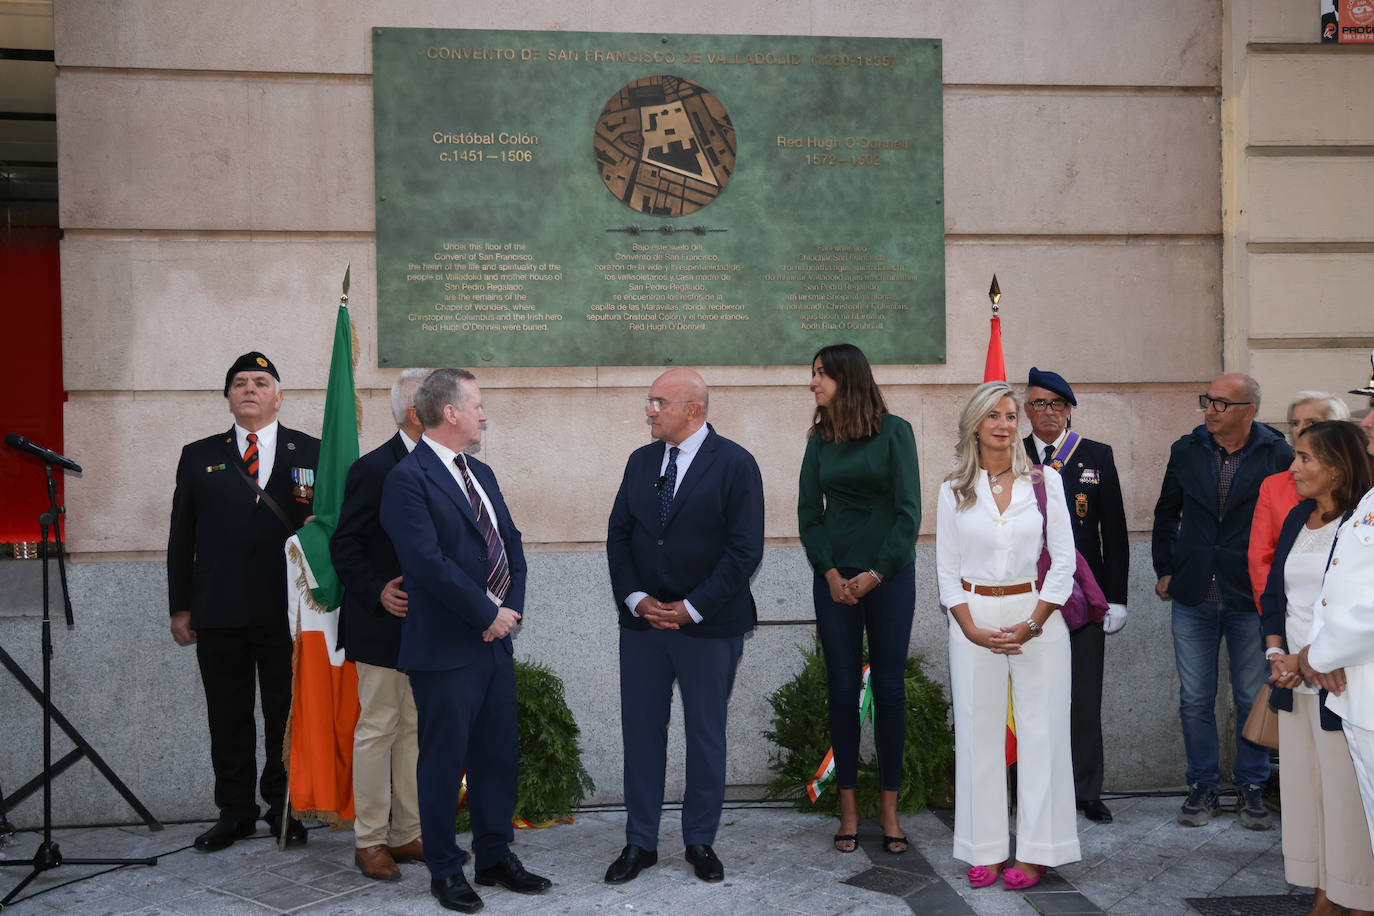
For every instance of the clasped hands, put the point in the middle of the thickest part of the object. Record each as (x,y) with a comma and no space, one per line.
(849,591)
(506,621)
(1004,641)
(1292,670)
(663,615)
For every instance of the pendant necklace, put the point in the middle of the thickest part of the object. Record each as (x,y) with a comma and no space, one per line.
(992,479)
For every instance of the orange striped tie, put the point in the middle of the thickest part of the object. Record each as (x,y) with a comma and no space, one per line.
(250,455)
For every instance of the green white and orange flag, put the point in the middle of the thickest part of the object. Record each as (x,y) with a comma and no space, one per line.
(324,696)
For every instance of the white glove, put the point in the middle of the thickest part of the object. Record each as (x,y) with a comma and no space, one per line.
(1115,618)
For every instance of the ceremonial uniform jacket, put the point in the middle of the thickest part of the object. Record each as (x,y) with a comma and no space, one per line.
(225,559)
(1092,490)
(1343,628)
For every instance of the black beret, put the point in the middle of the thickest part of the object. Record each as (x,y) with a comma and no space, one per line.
(249,362)
(1052,381)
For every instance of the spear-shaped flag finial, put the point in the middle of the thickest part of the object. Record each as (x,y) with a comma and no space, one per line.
(994,293)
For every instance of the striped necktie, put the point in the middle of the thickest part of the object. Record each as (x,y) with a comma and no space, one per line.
(498,570)
(250,455)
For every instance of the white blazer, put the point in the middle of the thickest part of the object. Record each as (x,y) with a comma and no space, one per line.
(1343,622)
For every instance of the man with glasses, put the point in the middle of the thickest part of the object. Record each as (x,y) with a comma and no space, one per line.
(685,535)
(1093,492)
(1201,531)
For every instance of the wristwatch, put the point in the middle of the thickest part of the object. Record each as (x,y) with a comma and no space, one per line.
(1035,628)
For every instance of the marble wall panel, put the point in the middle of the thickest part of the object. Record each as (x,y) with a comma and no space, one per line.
(1310,199)
(1310,295)
(1060,163)
(283,154)
(1292,102)
(1116,42)
(1285,372)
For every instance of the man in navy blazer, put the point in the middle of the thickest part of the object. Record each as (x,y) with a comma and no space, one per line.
(464,574)
(374,606)
(685,536)
(1201,531)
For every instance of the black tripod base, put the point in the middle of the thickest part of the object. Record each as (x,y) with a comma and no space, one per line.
(49,856)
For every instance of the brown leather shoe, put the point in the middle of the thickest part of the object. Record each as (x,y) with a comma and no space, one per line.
(414,851)
(376,862)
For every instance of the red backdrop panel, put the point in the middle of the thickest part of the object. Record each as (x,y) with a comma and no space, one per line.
(31,297)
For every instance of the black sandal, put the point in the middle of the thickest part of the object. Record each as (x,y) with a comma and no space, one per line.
(851,838)
(890,841)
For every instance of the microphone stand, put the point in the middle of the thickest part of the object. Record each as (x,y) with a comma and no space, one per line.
(48,855)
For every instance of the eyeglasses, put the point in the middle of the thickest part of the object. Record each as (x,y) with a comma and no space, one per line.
(1219,404)
(1058,405)
(657,404)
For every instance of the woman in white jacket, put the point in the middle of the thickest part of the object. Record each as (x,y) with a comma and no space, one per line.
(1340,656)
(988,539)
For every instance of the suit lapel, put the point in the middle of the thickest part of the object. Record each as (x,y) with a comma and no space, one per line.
(701,464)
(440,476)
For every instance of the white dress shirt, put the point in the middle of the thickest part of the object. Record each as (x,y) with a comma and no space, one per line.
(983,545)
(446,455)
(686,450)
(267,449)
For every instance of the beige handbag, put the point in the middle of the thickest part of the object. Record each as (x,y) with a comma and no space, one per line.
(1262,725)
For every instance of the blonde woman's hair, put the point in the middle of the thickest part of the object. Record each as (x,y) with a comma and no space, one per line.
(967,467)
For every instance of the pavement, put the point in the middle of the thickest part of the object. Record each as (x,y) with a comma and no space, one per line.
(777,861)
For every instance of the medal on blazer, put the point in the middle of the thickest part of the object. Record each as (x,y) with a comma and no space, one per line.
(1080,504)
(304,484)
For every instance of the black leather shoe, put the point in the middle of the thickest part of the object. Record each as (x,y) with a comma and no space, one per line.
(295,830)
(632,861)
(511,875)
(1095,811)
(454,893)
(224,832)
(705,863)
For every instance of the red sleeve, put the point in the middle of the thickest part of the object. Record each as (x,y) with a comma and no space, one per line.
(1277,497)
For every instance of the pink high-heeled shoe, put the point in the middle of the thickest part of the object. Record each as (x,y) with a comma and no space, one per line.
(981,876)
(1014,879)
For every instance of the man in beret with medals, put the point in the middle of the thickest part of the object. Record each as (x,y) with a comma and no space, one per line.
(1093,492)
(239,495)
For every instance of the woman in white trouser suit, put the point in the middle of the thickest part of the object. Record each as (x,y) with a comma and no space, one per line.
(988,539)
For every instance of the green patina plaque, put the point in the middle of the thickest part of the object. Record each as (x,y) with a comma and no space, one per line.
(589,199)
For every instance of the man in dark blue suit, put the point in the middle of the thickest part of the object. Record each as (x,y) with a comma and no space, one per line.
(685,535)
(374,605)
(464,574)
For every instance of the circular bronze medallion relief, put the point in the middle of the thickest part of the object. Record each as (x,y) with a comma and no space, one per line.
(665,146)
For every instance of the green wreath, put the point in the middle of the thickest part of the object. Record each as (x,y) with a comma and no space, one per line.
(552,781)
(801,732)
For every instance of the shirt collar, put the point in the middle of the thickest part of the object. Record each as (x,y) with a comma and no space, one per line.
(1040,446)
(267,437)
(446,454)
(688,447)
(409,442)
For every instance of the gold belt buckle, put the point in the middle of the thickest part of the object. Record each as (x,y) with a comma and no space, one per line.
(998,591)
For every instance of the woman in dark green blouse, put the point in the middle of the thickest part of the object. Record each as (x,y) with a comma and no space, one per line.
(859,508)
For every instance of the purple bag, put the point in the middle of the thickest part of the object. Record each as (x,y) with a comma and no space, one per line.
(1087,604)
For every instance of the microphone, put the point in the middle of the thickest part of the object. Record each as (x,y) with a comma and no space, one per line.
(658,484)
(16,441)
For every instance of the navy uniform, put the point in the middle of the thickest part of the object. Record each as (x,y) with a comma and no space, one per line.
(226,568)
(1092,490)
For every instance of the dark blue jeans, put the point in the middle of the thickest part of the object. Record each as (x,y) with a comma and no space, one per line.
(886,614)
(1198,630)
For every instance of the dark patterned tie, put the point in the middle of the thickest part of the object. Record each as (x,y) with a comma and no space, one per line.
(498,570)
(665,492)
(250,455)
(1049,453)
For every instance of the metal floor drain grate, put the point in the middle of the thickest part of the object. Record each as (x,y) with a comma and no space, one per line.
(1258,905)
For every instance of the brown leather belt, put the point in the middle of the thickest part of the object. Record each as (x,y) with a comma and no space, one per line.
(997,591)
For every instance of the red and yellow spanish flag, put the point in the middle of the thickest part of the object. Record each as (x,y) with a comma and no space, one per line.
(324,701)
(995,370)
